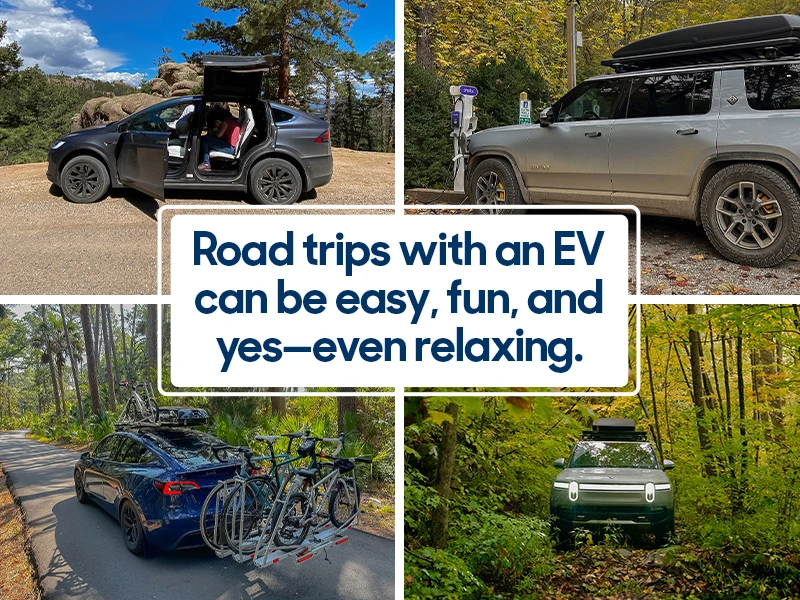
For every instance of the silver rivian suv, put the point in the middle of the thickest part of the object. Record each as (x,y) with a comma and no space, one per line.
(700,123)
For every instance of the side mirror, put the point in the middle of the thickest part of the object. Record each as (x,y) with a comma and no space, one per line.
(668,465)
(122,127)
(559,463)
(547,116)
(85,455)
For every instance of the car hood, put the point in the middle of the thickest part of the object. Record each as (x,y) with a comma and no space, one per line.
(88,131)
(610,476)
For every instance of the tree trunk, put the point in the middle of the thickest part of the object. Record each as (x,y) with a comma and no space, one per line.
(440,516)
(74,363)
(278,403)
(91,358)
(424,39)
(742,427)
(96,331)
(283,69)
(348,405)
(124,343)
(109,313)
(50,361)
(699,393)
(151,332)
(112,388)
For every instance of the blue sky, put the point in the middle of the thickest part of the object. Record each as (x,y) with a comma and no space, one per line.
(112,39)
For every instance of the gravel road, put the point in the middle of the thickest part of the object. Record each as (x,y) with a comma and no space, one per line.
(50,246)
(80,552)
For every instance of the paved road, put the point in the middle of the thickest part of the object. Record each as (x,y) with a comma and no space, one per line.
(80,553)
(50,246)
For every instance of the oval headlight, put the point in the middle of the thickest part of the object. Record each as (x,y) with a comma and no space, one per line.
(650,492)
(57,145)
(573,491)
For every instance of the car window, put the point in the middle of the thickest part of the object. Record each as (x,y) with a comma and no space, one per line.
(591,100)
(773,87)
(670,95)
(188,446)
(611,455)
(134,453)
(108,447)
(281,116)
(157,119)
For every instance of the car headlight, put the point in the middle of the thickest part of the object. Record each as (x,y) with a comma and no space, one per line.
(57,145)
(650,492)
(573,491)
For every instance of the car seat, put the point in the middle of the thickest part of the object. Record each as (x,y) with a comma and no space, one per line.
(247,124)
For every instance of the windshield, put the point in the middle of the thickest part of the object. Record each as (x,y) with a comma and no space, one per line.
(613,455)
(191,448)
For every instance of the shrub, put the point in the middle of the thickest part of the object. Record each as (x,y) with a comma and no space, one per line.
(432,573)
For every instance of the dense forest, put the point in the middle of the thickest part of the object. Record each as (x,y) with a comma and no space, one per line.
(720,396)
(61,365)
(505,48)
(319,71)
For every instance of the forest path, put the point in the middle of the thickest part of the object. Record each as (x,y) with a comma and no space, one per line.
(50,246)
(80,552)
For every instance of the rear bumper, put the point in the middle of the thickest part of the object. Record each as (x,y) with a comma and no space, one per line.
(319,170)
(172,534)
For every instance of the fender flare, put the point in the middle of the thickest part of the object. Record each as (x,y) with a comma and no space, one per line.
(482,155)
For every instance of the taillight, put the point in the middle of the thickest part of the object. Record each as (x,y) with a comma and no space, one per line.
(175,488)
(324,138)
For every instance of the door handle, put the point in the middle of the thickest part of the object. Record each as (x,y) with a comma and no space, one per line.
(593,134)
(690,131)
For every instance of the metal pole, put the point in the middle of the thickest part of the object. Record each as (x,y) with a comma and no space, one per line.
(572,43)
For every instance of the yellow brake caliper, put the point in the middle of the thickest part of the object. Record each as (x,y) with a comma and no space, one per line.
(768,208)
(501,195)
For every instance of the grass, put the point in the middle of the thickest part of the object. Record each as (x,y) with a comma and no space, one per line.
(377,509)
(17,575)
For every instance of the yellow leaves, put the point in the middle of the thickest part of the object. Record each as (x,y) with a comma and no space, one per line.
(439,417)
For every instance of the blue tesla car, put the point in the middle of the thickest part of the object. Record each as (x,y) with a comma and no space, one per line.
(154,481)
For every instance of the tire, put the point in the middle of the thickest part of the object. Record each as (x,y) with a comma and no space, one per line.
(493,183)
(751,214)
(563,535)
(288,532)
(275,182)
(238,524)
(343,503)
(152,407)
(132,530)
(131,414)
(84,180)
(210,522)
(664,533)
(80,488)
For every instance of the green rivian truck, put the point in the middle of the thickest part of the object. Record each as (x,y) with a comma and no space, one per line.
(613,478)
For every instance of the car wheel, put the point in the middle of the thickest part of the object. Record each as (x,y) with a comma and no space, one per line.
(493,184)
(80,489)
(132,530)
(84,179)
(275,181)
(751,214)
(664,533)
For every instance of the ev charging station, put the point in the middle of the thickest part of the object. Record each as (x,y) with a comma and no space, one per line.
(463,124)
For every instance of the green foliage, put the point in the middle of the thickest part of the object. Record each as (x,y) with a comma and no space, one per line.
(431,573)
(428,147)
(499,85)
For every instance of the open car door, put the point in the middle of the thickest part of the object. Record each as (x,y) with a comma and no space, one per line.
(142,161)
(234,78)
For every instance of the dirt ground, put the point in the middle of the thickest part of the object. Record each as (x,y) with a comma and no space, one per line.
(50,246)
(17,576)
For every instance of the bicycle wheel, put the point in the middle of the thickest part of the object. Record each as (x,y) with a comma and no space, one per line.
(152,409)
(211,524)
(130,412)
(291,531)
(344,502)
(245,507)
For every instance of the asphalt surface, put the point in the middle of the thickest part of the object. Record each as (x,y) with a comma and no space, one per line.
(50,246)
(80,552)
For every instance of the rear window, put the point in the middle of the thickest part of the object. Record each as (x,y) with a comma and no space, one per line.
(281,116)
(613,455)
(773,87)
(671,95)
(134,453)
(192,448)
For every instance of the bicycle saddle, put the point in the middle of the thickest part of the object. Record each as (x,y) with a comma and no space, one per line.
(308,473)
(270,439)
(295,435)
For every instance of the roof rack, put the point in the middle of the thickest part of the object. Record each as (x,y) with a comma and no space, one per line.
(169,416)
(755,38)
(614,430)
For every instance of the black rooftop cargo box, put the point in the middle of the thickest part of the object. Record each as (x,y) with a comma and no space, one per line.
(614,430)
(769,37)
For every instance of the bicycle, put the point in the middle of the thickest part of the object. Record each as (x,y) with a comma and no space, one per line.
(139,408)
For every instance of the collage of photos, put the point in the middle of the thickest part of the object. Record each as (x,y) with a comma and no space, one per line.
(127,473)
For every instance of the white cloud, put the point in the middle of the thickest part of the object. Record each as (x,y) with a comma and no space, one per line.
(83,5)
(55,39)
